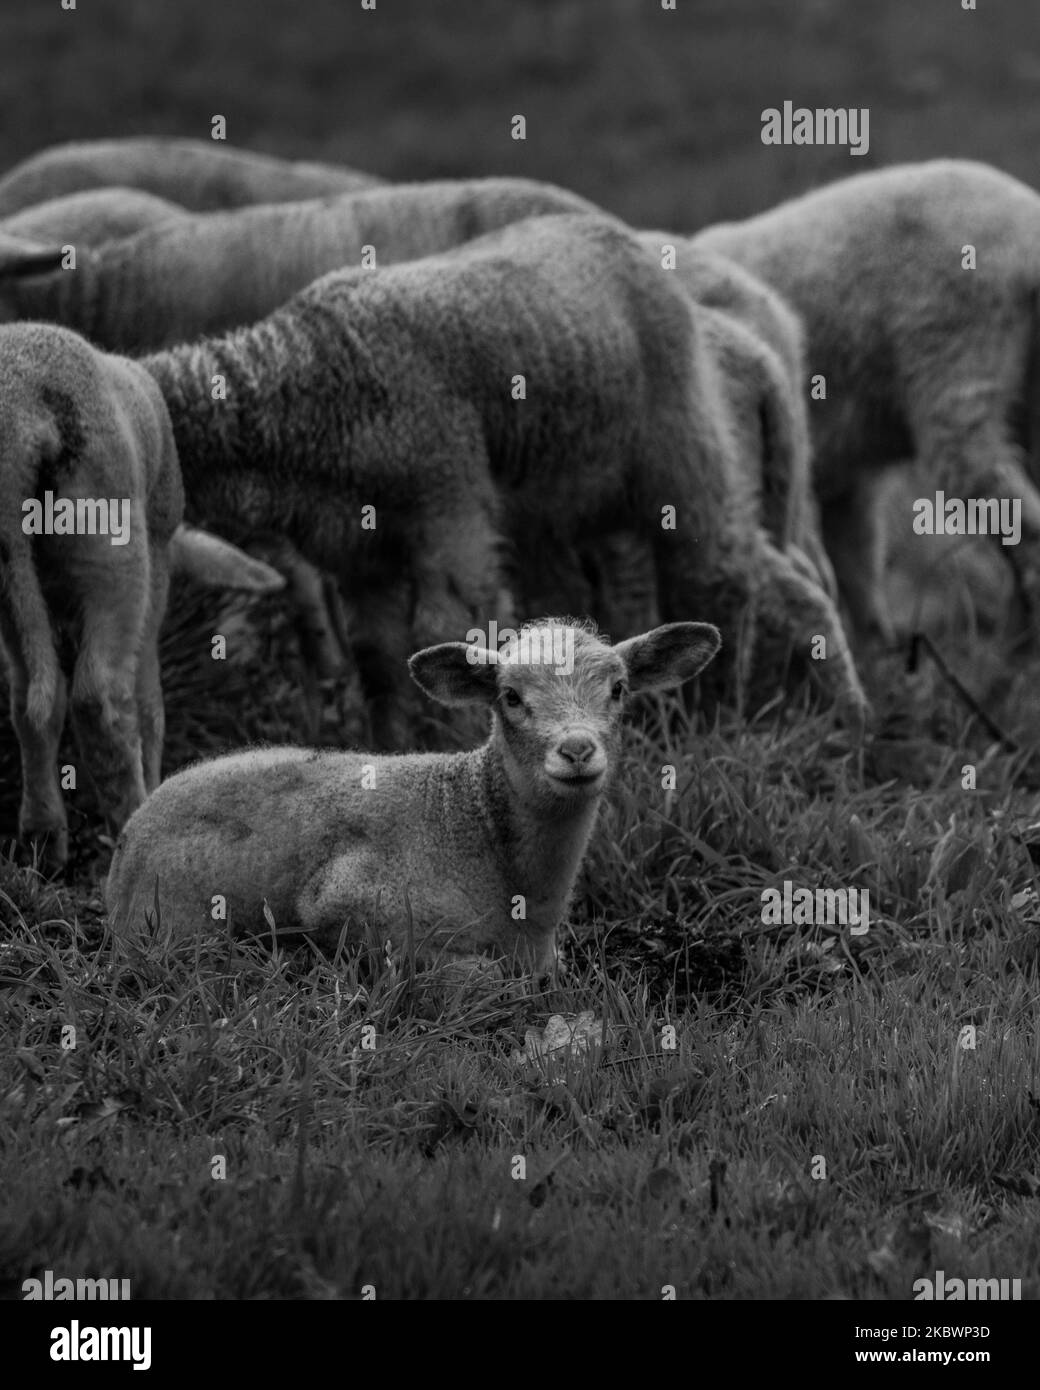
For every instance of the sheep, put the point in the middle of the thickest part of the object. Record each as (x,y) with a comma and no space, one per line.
(220,270)
(754,342)
(223,270)
(921,356)
(91,218)
(462,854)
(201,175)
(383,423)
(759,342)
(86,433)
(716,283)
(391,390)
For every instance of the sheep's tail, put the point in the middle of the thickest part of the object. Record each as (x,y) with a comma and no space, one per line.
(27,619)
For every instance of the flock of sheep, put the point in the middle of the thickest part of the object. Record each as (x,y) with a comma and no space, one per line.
(449,404)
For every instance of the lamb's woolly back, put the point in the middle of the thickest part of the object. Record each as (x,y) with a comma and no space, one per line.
(221,270)
(92,217)
(199,174)
(467,852)
(368,384)
(912,200)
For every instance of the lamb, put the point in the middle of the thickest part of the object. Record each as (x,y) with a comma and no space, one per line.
(461,853)
(86,433)
(90,218)
(201,175)
(223,270)
(921,356)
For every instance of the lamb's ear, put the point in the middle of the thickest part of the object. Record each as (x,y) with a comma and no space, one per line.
(668,655)
(219,564)
(456,673)
(21,257)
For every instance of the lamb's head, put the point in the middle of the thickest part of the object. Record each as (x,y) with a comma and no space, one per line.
(557,692)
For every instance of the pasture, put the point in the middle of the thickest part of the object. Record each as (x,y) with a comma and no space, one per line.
(772,1111)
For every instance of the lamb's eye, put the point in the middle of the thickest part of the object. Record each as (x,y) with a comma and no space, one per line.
(618,690)
(511,698)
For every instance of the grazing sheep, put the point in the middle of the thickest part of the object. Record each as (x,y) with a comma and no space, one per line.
(391,390)
(754,345)
(201,175)
(396,391)
(759,343)
(219,271)
(922,356)
(85,441)
(89,219)
(790,513)
(462,853)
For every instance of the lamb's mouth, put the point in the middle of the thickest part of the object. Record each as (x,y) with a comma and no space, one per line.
(576,779)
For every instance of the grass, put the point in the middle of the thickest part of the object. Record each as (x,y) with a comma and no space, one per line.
(393,1166)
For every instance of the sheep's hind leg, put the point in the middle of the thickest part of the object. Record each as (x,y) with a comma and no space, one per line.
(151,714)
(105,682)
(382,642)
(41,817)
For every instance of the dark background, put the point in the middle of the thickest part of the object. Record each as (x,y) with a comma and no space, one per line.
(655,114)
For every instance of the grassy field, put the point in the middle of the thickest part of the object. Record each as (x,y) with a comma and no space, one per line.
(395,1165)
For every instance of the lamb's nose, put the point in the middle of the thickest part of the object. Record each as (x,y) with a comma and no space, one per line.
(577,748)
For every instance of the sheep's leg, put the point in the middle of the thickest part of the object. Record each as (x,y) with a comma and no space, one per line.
(41,817)
(319,642)
(382,642)
(336,616)
(795,606)
(151,714)
(625,588)
(855,542)
(457,578)
(104,683)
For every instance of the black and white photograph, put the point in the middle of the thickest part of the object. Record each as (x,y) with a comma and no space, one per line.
(519,647)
